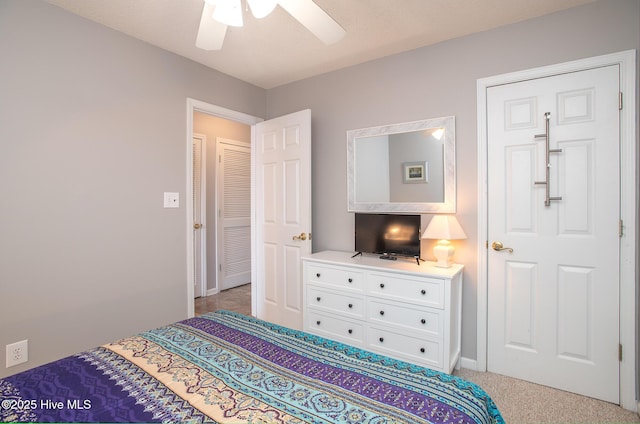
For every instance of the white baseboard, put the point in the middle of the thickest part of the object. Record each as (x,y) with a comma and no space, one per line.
(470,364)
(211,292)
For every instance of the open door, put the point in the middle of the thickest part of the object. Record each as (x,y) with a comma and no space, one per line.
(281,182)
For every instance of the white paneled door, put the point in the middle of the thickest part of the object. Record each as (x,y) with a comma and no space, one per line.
(553,226)
(282,201)
(233,192)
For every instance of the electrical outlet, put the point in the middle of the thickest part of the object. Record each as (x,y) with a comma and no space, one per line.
(17,353)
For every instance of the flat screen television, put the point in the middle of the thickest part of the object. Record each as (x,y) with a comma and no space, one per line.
(388,235)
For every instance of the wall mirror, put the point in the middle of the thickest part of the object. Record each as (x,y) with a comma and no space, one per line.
(407,167)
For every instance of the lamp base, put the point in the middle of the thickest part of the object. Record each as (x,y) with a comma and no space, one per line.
(444,251)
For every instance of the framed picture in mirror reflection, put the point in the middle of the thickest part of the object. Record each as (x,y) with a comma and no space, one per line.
(415,172)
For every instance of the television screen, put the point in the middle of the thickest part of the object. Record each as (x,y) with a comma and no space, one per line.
(388,234)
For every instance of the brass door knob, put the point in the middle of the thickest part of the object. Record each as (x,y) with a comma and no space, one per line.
(498,247)
(197,226)
(302,236)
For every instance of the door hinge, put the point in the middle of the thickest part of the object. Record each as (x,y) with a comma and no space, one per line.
(486,244)
(620,100)
(620,352)
(620,229)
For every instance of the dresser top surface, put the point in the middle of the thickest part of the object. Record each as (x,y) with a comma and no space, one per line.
(407,265)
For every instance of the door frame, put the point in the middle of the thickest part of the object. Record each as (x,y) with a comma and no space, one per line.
(628,195)
(194,105)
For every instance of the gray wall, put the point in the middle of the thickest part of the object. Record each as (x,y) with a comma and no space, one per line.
(92,132)
(438,81)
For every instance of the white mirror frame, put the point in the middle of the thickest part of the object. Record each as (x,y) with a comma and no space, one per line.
(448,205)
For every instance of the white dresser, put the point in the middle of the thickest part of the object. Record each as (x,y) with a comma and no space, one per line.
(396,308)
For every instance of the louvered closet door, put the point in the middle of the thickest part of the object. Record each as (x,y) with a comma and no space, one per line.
(234,213)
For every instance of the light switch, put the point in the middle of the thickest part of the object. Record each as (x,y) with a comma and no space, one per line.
(171,200)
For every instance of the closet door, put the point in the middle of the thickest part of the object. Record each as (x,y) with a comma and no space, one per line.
(233,192)
(554,214)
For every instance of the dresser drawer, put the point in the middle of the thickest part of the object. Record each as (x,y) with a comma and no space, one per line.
(428,320)
(335,276)
(335,328)
(335,301)
(427,291)
(402,309)
(424,351)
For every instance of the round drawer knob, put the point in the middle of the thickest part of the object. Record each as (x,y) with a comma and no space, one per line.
(350,331)
(381,285)
(424,321)
(350,305)
(350,280)
(423,292)
(422,350)
(381,339)
(381,312)
(318,298)
(317,274)
(317,322)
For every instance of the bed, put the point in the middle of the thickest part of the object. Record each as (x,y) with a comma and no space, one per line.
(227,367)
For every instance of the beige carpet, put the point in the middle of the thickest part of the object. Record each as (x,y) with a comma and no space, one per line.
(521,402)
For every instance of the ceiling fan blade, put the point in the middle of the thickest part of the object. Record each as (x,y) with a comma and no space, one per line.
(314,19)
(211,33)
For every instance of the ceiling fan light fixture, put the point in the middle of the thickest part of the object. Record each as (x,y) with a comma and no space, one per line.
(228,12)
(261,8)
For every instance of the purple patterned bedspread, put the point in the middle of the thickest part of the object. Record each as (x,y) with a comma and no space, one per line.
(229,368)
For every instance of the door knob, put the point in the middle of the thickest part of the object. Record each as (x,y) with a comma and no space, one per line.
(302,236)
(197,226)
(497,246)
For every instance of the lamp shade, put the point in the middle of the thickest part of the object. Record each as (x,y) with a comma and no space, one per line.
(444,227)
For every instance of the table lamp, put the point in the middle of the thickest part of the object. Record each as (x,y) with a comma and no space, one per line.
(444,228)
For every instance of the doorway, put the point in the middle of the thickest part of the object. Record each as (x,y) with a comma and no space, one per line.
(625,62)
(276,289)
(225,196)
(236,122)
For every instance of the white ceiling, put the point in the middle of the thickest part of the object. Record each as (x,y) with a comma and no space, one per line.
(277,49)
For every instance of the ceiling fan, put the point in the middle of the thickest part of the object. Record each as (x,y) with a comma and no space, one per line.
(218,14)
